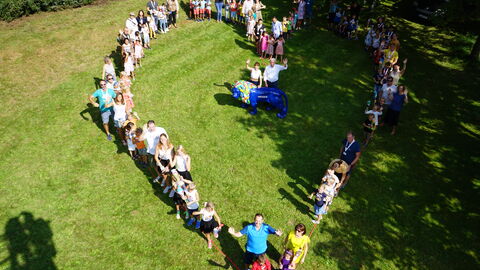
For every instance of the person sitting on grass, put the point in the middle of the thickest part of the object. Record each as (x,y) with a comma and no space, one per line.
(210,222)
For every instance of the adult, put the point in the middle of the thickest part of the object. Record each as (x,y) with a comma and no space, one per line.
(219,6)
(394,40)
(152,7)
(397,101)
(396,73)
(355,9)
(390,54)
(172,7)
(132,24)
(297,242)
(387,89)
(151,134)
(270,75)
(141,19)
(258,31)
(340,169)
(331,13)
(104,97)
(257,234)
(255,73)
(108,68)
(258,9)
(247,7)
(350,153)
(123,35)
(301,13)
(276,28)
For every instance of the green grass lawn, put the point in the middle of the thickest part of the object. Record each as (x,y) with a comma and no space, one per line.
(412,202)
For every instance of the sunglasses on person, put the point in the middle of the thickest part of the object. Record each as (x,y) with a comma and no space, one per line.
(103,84)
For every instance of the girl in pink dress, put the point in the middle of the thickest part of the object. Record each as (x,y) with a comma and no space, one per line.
(128,97)
(250,29)
(279,49)
(264,43)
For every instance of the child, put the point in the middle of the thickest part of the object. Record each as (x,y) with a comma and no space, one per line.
(138,53)
(196,9)
(128,96)
(182,163)
(179,185)
(377,111)
(192,198)
(128,66)
(146,36)
(285,260)
(233,11)
(162,18)
(126,48)
(369,39)
(124,80)
(129,134)
(368,129)
(264,41)
(279,48)
(191,7)
(285,24)
(378,82)
(108,68)
(262,263)
(352,28)
(323,197)
(250,28)
(152,27)
(271,44)
(210,222)
(202,9)
(227,10)
(140,146)
(208,9)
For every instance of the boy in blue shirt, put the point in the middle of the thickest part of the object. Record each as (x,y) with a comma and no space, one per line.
(257,234)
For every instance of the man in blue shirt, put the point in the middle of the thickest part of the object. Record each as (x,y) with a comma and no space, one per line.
(105,97)
(350,153)
(257,234)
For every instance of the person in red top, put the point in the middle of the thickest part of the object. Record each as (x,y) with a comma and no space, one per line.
(262,263)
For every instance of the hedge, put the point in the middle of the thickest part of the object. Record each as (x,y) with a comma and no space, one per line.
(12,9)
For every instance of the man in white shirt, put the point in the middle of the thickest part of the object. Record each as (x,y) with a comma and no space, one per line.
(151,134)
(247,6)
(388,90)
(270,75)
(276,28)
(132,24)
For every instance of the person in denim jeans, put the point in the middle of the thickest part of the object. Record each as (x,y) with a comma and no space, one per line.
(219,5)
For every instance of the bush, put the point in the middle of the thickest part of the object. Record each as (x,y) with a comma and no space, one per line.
(12,9)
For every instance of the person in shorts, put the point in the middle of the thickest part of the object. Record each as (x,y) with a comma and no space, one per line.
(104,97)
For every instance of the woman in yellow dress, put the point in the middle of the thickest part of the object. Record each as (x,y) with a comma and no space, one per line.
(298,242)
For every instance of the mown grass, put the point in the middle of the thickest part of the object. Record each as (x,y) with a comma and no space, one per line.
(412,203)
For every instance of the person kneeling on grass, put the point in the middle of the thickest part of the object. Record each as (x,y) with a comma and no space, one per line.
(323,198)
(210,222)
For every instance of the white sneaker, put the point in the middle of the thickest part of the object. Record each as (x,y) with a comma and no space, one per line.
(156,179)
(171,193)
(163,183)
(166,190)
(178,216)
(315,221)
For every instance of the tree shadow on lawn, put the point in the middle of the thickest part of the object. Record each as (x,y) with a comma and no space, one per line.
(29,243)
(412,200)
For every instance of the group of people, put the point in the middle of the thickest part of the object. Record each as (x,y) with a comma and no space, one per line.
(344,21)
(170,165)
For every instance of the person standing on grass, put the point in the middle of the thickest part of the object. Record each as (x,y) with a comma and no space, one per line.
(182,163)
(164,153)
(257,234)
(297,242)
(104,97)
(132,24)
(152,7)
(172,7)
(397,73)
(350,153)
(108,69)
(270,75)
(340,169)
(210,222)
(396,105)
(258,9)
(219,6)
(151,134)
(255,73)
(276,28)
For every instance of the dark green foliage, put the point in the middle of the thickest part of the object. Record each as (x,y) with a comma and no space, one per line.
(12,9)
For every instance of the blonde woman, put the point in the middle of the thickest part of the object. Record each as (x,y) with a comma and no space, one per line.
(182,162)
(164,153)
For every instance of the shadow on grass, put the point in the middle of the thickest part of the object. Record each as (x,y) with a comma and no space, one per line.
(29,243)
